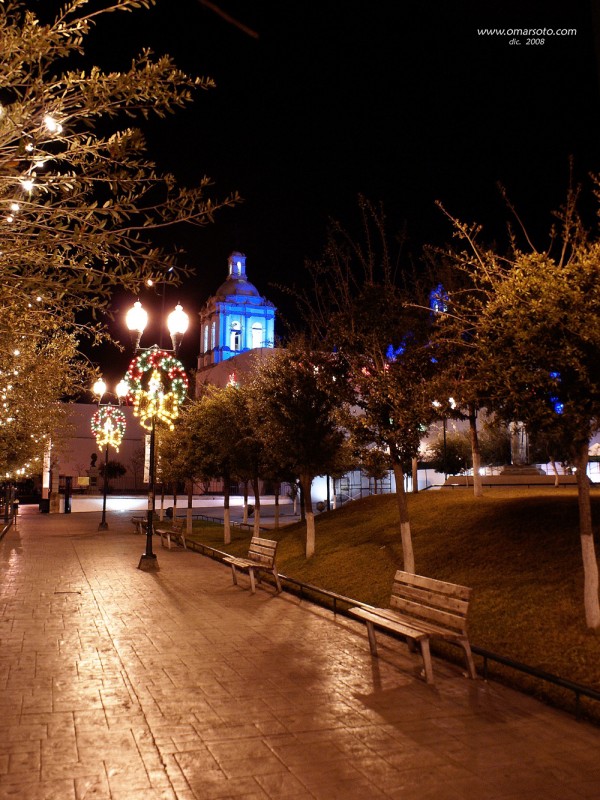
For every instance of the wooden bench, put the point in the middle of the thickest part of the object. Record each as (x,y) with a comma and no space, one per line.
(261,558)
(422,609)
(175,533)
(140,524)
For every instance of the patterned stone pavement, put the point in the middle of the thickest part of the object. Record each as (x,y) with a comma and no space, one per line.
(123,684)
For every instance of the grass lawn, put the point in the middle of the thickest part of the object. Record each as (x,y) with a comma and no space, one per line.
(519,550)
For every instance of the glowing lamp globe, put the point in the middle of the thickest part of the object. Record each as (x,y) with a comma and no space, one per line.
(136,320)
(122,388)
(99,388)
(177,323)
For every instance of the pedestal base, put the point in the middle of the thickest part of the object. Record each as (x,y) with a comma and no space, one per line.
(103,526)
(148,563)
(521,469)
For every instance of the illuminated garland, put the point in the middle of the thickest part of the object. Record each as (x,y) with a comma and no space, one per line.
(158,385)
(108,426)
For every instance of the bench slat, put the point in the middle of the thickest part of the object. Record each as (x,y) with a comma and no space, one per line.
(268,552)
(385,615)
(264,542)
(427,613)
(434,599)
(392,624)
(261,548)
(259,559)
(263,557)
(443,587)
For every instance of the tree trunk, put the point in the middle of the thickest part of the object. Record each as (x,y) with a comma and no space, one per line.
(190,507)
(555,470)
(590,563)
(174,502)
(245,517)
(277,491)
(475,453)
(161,514)
(414,464)
(305,487)
(256,487)
(226,510)
(302,506)
(405,535)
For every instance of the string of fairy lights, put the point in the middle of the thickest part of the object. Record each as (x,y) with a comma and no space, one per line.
(10,412)
(156,380)
(31,157)
(30,149)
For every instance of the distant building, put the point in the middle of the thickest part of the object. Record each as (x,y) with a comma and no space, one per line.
(234,321)
(75,454)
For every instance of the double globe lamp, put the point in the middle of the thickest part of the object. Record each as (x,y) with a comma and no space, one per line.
(136,320)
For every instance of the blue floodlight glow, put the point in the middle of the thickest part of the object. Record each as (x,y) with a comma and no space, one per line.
(392,352)
(555,376)
(438,299)
(557,405)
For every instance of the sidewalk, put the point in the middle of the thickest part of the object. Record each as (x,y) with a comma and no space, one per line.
(124,684)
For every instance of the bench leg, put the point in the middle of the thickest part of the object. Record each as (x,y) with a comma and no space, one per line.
(371,634)
(252,583)
(426,653)
(233,575)
(469,659)
(277,581)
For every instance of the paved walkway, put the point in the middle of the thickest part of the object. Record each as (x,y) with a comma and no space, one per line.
(124,684)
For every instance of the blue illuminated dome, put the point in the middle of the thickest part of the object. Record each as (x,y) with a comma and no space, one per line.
(235,319)
(237,283)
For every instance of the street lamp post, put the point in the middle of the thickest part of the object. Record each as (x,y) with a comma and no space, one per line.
(157,382)
(108,426)
(103,523)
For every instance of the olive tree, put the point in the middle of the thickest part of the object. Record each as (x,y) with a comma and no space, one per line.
(372,313)
(536,343)
(80,197)
(296,405)
(79,193)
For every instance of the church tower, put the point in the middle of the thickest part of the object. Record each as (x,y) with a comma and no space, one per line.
(236,319)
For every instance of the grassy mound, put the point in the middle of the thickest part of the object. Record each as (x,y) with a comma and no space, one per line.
(519,550)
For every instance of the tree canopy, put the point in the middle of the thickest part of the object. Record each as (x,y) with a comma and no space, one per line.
(296,406)
(80,197)
(534,342)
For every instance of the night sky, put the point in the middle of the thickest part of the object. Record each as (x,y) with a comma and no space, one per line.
(402,102)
